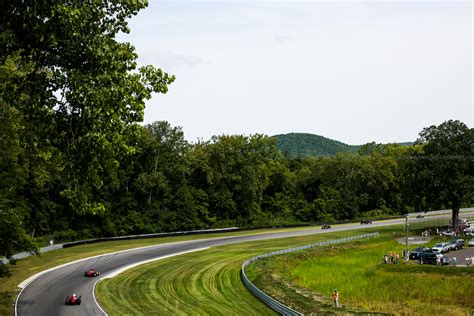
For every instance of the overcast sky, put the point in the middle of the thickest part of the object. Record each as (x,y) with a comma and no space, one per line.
(352,71)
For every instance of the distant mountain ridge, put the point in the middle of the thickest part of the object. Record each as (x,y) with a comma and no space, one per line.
(309,145)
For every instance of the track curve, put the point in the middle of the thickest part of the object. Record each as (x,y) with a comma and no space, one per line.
(46,294)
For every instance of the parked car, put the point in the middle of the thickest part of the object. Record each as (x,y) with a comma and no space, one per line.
(415,253)
(440,247)
(470,243)
(469,231)
(427,258)
(420,216)
(448,233)
(365,221)
(326,227)
(445,260)
(456,244)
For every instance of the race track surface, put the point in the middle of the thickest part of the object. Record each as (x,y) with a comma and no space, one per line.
(46,295)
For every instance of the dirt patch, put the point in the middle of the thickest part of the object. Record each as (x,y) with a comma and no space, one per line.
(415,240)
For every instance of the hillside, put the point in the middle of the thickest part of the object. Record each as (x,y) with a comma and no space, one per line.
(303,145)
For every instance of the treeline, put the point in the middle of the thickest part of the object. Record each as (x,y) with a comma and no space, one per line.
(75,163)
(167,184)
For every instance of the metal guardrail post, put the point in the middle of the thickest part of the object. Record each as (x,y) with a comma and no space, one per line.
(270,301)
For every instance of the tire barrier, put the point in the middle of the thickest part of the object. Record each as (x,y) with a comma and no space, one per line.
(268,300)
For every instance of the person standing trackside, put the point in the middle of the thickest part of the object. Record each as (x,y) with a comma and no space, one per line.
(335,297)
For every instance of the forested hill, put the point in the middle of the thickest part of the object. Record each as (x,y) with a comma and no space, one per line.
(304,145)
(298,145)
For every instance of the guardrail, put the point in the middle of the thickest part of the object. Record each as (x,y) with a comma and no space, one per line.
(270,301)
(22,255)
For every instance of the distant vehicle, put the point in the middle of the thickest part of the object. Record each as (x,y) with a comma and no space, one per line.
(470,243)
(448,233)
(420,216)
(365,221)
(326,227)
(415,253)
(427,258)
(91,273)
(73,300)
(440,247)
(456,244)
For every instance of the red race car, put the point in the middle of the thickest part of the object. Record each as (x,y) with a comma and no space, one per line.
(91,273)
(73,300)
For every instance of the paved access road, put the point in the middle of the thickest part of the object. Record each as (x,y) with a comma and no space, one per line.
(46,294)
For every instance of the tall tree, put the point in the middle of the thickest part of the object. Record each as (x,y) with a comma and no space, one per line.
(446,165)
(82,88)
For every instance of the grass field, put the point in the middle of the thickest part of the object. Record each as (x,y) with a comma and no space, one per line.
(202,283)
(190,286)
(306,280)
(31,265)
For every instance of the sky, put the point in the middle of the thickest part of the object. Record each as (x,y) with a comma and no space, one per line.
(352,71)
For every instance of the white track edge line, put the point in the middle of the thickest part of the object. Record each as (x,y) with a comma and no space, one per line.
(95,300)
(30,279)
(37,275)
(133,265)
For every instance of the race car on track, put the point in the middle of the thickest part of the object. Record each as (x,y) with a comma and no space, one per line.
(73,300)
(91,273)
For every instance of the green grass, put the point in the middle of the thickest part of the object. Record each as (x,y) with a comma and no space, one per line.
(203,283)
(306,279)
(31,265)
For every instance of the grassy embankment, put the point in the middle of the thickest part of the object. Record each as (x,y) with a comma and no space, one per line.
(206,282)
(188,285)
(31,265)
(306,279)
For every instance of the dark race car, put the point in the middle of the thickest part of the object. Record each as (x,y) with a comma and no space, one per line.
(325,226)
(365,221)
(91,273)
(73,300)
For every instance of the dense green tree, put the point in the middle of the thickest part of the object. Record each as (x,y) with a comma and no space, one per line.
(82,88)
(444,166)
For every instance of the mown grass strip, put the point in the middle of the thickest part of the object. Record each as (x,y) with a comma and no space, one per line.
(204,283)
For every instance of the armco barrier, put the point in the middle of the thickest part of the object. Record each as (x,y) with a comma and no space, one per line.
(268,300)
(180,233)
(22,255)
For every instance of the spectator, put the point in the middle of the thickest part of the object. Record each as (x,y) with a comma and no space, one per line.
(335,297)
(438,261)
(391,257)
(385,258)
(454,261)
(397,258)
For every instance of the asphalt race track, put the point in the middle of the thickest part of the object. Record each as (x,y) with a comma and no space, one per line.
(46,294)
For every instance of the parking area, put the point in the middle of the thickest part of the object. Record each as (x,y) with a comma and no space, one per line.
(461,255)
